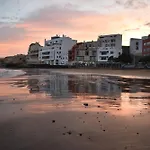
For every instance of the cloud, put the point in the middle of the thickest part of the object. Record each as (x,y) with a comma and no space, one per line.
(133,4)
(147,24)
(67,19)
(8,33)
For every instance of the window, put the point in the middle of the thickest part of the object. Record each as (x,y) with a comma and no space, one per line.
(59,47)
(45,53)
(104,53)
(103,58)
(111,52)
(87,53)
(137,48)
(137,43)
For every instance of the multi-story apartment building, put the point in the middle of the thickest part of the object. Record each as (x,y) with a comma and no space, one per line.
(86,52)
(136,47)
(146,46)
(33,53)
(55,51)
(110,47)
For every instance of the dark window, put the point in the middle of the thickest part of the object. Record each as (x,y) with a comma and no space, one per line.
(104,53)
(45,57)
(137,47)
(111,52)
(46,53)
(103,58)
(59,47)
(137,43)
(86,53)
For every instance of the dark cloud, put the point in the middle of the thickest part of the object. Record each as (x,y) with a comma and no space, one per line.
(147,24)
(56,16)
(133,4)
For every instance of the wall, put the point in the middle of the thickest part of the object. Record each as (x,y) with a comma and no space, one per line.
(136,47)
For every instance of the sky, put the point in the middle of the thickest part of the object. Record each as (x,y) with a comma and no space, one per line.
(25,21)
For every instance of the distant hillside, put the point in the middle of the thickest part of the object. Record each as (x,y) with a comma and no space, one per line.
(13,61)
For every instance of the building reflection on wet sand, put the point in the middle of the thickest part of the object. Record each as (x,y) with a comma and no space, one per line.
(58,85)
(128,95)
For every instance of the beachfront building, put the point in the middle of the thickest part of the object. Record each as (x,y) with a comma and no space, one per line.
(110,47)
(33,53)
(136,47)
(72,53)
(86,52)
(55,50)
(146,46)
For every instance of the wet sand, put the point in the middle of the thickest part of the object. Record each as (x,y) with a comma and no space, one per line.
(43,110)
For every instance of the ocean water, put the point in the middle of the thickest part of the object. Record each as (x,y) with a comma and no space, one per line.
(8,73)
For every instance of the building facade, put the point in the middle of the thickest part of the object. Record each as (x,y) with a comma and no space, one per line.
(136,47)
(72,53)
(110,47)
(86,52)
(55,50)
(33,53)
(146,46)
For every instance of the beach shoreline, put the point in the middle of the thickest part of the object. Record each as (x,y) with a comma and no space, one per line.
(75,109)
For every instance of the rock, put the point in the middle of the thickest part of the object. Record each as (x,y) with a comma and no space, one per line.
(85,113)
(53,121)
(98,106)
(104,130)
(137,133)
(97,112)
(20,108)
(65,127)
(86,104)
(80,134)
(69,132)
(64,133)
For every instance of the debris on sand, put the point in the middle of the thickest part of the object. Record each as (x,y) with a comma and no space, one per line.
(86,104)
(69,132)
(53,121)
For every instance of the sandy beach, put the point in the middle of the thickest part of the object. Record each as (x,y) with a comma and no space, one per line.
(75,109)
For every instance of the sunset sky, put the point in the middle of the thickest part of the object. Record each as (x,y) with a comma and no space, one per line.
(25,21)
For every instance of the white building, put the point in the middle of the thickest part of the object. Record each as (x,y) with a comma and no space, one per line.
(55,51)
(110,47)
(136,47)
